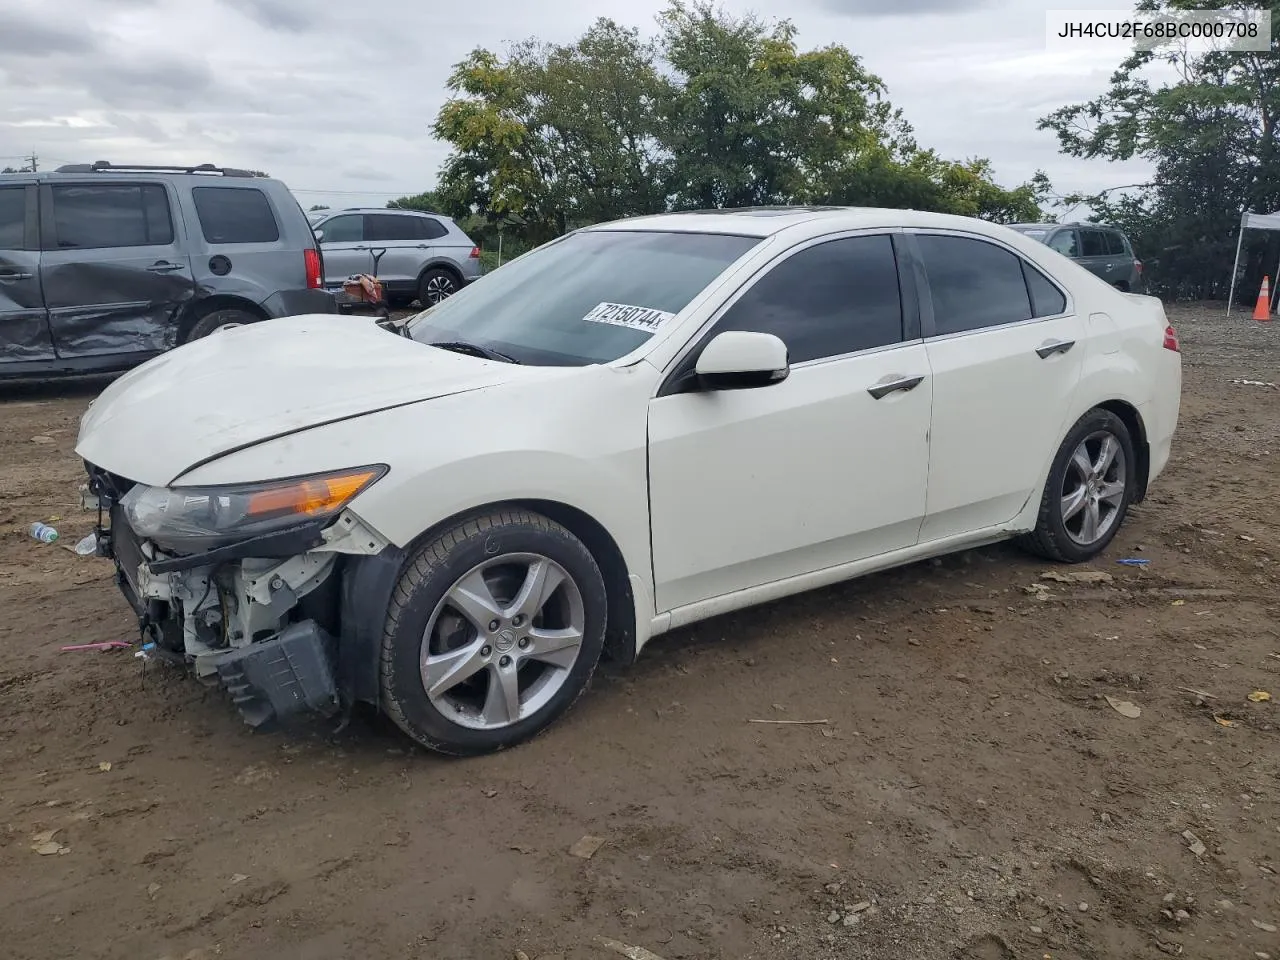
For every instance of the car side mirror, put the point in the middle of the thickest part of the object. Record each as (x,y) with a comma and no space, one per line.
(319,236)
(738,360)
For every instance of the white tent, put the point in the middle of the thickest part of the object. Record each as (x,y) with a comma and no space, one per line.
(1254,221)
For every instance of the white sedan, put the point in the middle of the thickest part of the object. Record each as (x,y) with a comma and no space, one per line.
(634,427)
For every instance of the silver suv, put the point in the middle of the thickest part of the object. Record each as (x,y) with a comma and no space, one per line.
(1103,251)
(427,257)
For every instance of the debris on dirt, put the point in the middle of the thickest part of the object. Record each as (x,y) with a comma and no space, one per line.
(623,950)
(1134,562)
(833,916)
(104,766)
(795,723)
(1223,721)
(1178,603)
(1125,708)
(1248,539)
(1252,383)
(1264,926)
(152,890)
(586,848)
(104,645)
(833,888)
(1198,693)
(1259,696)
(1195,844)
(520,955)
(42,439)
(44,844)
(239,878)
(1078,576)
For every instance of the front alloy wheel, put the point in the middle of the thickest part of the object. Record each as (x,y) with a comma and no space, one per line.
(494,630)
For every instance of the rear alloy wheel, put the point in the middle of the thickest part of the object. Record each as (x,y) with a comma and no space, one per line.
(493,632)
(1088,492)
(436,285)
(218,321)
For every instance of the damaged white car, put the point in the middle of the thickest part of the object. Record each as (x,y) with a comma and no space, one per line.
(632,428)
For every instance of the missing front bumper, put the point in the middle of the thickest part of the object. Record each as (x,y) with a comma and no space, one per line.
(286,675)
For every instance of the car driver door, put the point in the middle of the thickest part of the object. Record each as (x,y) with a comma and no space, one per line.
(827,466)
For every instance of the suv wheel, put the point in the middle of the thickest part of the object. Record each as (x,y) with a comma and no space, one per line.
(436,284)
(220,320)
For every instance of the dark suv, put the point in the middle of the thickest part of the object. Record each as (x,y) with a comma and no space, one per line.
(103,267)
(1103,251)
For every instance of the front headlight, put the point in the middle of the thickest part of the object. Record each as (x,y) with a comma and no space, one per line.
(199,518)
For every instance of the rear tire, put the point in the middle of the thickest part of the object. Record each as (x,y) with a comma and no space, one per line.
(468,667)
(435,285)
(1087,496)
(220,320)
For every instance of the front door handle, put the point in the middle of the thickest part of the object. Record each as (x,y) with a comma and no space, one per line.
(16,276)
(886,387)
(1050,347)
(163,266)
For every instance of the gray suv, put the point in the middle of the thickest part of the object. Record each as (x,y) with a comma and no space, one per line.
(426,256)
(1103,251)
(103,267)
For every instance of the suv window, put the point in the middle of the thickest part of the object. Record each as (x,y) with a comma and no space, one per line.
(235,215)
(974,284)
(13,218)
(1115,244)
(1093,243)
(1065,243)
(96,215)
(392,227)
(834,298)
(346,229)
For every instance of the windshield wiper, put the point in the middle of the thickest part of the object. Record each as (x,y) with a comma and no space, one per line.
(464,346)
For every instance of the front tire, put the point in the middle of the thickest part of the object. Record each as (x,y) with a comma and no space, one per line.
(1089,489)
(492,634)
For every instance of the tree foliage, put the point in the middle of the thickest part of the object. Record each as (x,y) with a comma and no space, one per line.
(715,111)
(1210,134)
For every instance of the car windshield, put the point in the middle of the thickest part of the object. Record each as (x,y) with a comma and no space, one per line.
(1035,233)
(590,297)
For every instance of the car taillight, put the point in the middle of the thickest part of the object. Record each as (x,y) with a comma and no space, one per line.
(312,260)
(1171,339)
(475,253)
(1137,265)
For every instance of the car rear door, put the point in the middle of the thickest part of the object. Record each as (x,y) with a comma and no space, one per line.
(1006,351)
(114,266)
(829,466)
(344,248)
(403,237)
(24,321)
(1093,254)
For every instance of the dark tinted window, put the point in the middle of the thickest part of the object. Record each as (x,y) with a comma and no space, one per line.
(1046,299)
(1065,243)
(434,228)
(834,298)
(389,226)
(95,215)
(13,217)
(974,284)
(1093,243)
(235,215)
(1115,246)
(348,229)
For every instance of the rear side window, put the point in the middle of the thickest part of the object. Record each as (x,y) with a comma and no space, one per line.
(13,218)
(1065,243)
(390,227)
(235,215)
(1093,243)
(1046,299)
(974,284)
(348,229)
(830,299)
(1115,244)
(96,215)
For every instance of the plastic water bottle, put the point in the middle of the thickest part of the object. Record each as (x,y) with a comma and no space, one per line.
(43,532)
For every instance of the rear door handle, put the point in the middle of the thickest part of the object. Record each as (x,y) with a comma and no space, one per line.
(886,387)
(1050,347)
(16,276)
(163,266)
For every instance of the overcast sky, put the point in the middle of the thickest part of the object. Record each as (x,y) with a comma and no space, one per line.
(336,97)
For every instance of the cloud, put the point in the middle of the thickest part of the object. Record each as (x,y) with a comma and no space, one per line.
(337,99)
(289,16)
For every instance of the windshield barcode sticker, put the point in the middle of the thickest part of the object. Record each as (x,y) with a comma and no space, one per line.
(622,315)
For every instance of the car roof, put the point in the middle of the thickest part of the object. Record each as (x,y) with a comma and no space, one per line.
(767,221)
(395,210)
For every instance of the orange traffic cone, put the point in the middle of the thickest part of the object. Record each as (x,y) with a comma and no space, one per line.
(1262,309)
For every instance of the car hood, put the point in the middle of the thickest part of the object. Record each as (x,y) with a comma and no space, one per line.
(263,381)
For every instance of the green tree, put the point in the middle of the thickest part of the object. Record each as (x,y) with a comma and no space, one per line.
(428,202)
(1210,134)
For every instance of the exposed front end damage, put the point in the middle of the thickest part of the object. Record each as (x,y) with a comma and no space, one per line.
(261,616)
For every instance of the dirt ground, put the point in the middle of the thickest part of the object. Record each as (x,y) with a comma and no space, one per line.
(972,793)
